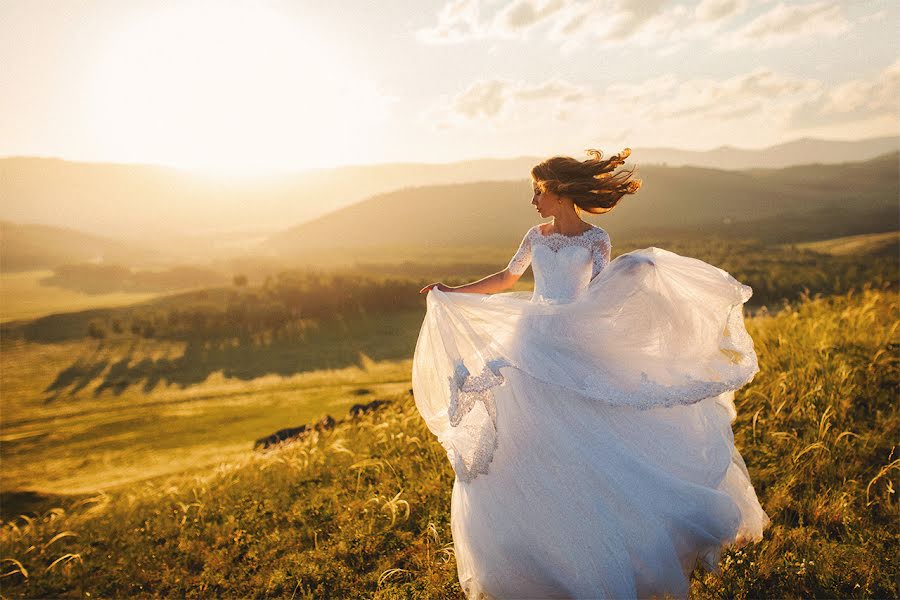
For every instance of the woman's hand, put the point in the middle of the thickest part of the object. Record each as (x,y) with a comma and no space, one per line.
(439,286)
(487,285)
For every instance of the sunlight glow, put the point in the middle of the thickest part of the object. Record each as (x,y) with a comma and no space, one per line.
(231,87)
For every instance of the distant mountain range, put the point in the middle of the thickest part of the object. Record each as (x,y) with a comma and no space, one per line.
(187,212)
(798,152)
(26,247)
(799,203)
(686,199)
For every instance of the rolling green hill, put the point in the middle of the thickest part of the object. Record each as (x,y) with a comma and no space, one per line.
(152,202)
(870,244)
(387,280)
(362,509)
(800,151)
(683,199)
(29,247)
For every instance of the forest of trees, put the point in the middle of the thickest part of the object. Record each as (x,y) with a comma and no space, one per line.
(775,274)
(282,300)
(93,278)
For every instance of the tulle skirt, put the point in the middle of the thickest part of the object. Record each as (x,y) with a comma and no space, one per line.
(592,441)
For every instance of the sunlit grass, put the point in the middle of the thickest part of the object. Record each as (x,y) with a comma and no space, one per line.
(85,441)
(866,243)
(363,510)
(23,297)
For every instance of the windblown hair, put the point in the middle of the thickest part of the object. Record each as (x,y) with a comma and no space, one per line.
(590,184)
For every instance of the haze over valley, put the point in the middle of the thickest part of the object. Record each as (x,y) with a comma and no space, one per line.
(58,211)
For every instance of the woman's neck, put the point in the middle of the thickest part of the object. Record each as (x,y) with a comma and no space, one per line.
(568,225)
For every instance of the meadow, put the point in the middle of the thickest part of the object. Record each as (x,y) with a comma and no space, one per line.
(129,469)
(362,509)
(97,414)
(25,297)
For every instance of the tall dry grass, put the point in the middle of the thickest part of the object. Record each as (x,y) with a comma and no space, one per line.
(363,510)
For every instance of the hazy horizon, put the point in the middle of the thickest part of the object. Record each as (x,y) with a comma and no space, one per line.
(216,173)
(276,86)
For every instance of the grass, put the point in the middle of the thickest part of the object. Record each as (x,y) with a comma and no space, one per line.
(868,243)
(25,298)
(363,509)
(97,415)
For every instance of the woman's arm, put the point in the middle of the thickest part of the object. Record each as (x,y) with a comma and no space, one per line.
(496,282)
(501,280)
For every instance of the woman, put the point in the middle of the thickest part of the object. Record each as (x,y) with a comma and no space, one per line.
(589,422)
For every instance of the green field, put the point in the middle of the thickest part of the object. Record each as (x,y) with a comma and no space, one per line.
(23,297)
(362,510)
(129,469)
(94,415)
(867,243)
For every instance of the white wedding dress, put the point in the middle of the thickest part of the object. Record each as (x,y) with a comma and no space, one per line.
(589,422)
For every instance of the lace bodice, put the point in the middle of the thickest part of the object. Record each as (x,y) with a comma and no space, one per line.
(563,265)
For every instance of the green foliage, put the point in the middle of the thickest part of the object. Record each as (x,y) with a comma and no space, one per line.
(776,272)
(96,330)
(363,510)
(818,428)
(800,203)
(289,297)
(287,300)
(357,510)
(786,272)
(104,279)
(290,301)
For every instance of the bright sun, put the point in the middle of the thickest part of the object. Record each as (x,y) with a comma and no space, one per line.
(230,87)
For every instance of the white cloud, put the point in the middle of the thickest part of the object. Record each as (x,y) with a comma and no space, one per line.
(785,24)
(630,17)
(483,99)
(878,15)
(666,27)
(645,93)
(489,99)
(522,15)
(658,100)
(458,21)
(739,96)
(758,107)
(719,10)
(880,94)
(613,21)
(853,100)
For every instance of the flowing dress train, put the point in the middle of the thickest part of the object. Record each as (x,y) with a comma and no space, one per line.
(589,423)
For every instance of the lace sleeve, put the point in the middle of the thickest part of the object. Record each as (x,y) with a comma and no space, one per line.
(522,258)
(601,251)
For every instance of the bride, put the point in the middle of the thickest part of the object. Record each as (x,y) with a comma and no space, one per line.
(589,422)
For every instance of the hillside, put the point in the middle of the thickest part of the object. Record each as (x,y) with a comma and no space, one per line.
(153,202)
(672,199)
(871,244)
(362,509)
(27,247)
(801,151)
(149,202)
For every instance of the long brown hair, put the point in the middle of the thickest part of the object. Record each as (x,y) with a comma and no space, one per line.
(590,184)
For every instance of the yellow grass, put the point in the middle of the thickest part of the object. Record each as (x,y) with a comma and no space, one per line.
(363,510)
(23,297)
(86,441)
(852,244)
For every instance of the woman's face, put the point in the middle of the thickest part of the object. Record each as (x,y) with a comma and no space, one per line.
(544,202)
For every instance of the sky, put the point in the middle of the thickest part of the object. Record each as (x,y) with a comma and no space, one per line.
(240,86)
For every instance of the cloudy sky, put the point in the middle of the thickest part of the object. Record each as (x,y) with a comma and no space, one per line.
(240,85)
